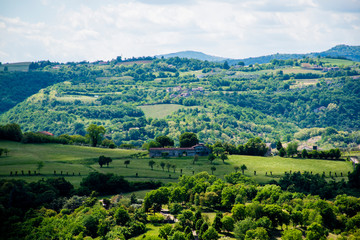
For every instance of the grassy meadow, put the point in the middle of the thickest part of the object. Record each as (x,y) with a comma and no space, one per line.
(72,160)
(160,110)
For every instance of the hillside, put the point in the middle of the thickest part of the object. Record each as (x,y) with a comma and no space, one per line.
(137,102)
(192,55)
(342,51)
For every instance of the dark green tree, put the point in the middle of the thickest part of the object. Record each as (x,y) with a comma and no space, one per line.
(217,224)
(151,164)
(243,168)
(223,157)
(126,162)
(188,139)
(213,168)
(278,145)
(211,157)
(164,141)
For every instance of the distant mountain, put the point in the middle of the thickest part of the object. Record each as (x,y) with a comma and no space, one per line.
(194,55)
(344,51)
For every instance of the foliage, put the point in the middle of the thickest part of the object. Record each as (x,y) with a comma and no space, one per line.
(95,133)
(188,139)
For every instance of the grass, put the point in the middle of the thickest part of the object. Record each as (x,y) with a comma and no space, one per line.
(151,230)
(77,159)
(160,110)
(338,62)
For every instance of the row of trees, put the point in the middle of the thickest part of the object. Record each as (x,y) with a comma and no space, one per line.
(291,150)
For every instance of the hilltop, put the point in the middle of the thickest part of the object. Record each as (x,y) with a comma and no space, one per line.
(342,51)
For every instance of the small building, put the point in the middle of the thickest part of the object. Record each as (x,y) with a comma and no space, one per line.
(198,149)
(46,133)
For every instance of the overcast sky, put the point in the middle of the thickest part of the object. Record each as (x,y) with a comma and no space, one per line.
(70,30)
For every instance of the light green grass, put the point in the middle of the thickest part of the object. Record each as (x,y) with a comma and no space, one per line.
(338,62)
(160,110)
(77,159)
(151,230)
(278,166)
(71,98)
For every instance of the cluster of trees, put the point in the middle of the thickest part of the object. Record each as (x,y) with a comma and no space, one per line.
(291,150)
(54,209)
(253,212)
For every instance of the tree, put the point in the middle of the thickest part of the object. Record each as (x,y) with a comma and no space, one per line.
(238,212)
(168,166)
(282,152)
(223,157)
(316,232)
(278,145)
(226,65)
(126,162)
(151,164)
(165,231)
(227,223)
(164,141)
(173,167)
(188,139)
(6,151)
(104,160)
(121,216)
(213,168)
(259,233)
(291,149)
(39,165)
(162,165)
(292,234)
(218,150)
(217,224)
(210,234)
(304,153)
(95,133)
(236,168)
(211,157)
(243,168)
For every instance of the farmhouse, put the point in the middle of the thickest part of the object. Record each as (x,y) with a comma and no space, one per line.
(199,149)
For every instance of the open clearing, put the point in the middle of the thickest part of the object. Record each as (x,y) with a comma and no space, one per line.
(77,159)
(160,110)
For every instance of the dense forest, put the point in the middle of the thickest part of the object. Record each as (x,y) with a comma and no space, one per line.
(283,100)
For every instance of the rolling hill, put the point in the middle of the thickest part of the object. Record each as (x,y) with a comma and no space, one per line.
(343,51)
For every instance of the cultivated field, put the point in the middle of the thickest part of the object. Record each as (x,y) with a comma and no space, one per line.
(77,159)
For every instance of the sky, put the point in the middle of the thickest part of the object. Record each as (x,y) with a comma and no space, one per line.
(77,30)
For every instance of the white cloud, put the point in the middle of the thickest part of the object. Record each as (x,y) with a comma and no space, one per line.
(91,31)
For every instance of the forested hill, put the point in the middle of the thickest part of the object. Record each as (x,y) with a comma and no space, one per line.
(342,51)
(305,99)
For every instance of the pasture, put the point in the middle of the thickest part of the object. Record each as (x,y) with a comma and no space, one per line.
(72,160)
(160,110)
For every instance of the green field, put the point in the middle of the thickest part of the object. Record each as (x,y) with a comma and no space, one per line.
(338,62)
(77,159)
(160,110)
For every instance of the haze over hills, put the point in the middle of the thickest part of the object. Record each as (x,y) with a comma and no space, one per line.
(343,51)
